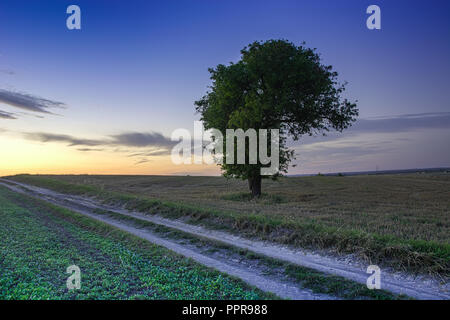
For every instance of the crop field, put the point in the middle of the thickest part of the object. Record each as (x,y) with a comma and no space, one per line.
(39,241)
(410,206)
(401,220)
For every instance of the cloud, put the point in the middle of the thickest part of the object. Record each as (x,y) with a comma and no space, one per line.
(70,140)
(141,145)
(403,123)
(369,151)
(156,152)
(28,102)
(393,142)
(388,124)
(136,144)
(14,116)
(7,115)
(137,139)
(142,161)
(368,141)
(89,149)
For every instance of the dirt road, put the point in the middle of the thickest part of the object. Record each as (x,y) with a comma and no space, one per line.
(420,288)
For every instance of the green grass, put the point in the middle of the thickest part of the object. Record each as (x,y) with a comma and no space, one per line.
(396,220)
(307,278)
(39,241)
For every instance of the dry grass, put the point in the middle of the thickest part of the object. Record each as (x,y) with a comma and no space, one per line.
(406,206)
(401,221)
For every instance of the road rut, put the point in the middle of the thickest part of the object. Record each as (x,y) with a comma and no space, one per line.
(420,288)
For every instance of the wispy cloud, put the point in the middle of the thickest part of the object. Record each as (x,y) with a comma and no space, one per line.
(156,152)
(403,123)
(89,149)
(7,115)
(135,144)
(137,139)
(388,124)
(396,141)
(368,139)
(70,140)
(142,161)
(28,102)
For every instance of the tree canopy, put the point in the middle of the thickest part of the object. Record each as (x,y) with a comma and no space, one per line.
(275,85)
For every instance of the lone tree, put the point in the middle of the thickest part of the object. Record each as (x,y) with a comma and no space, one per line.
(275,85)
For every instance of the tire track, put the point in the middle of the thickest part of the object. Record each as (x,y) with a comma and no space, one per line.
(409,286)
(281,289)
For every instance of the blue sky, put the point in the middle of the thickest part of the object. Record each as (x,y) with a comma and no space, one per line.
(138,66)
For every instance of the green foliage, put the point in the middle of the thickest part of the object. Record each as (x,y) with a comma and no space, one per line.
(39,241)
(275,85)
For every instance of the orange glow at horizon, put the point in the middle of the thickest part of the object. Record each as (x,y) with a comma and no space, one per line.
(20,156)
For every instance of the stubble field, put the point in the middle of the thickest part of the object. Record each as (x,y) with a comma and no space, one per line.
(401,220)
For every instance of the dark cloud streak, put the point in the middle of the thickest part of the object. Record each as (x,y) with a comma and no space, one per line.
(160,144)
(7,115)
(72,141)
(89,149)
(390,124)
(28,102)
(403,123)
(137,139)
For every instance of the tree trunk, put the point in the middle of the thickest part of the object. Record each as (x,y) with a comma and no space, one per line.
(254,184)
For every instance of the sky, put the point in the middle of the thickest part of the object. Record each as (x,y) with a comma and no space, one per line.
(105,99)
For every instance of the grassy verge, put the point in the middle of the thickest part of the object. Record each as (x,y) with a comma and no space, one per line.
(307,278)
(411,255)
(39,241)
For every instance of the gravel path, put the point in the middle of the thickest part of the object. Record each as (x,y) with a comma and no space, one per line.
(417,287)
